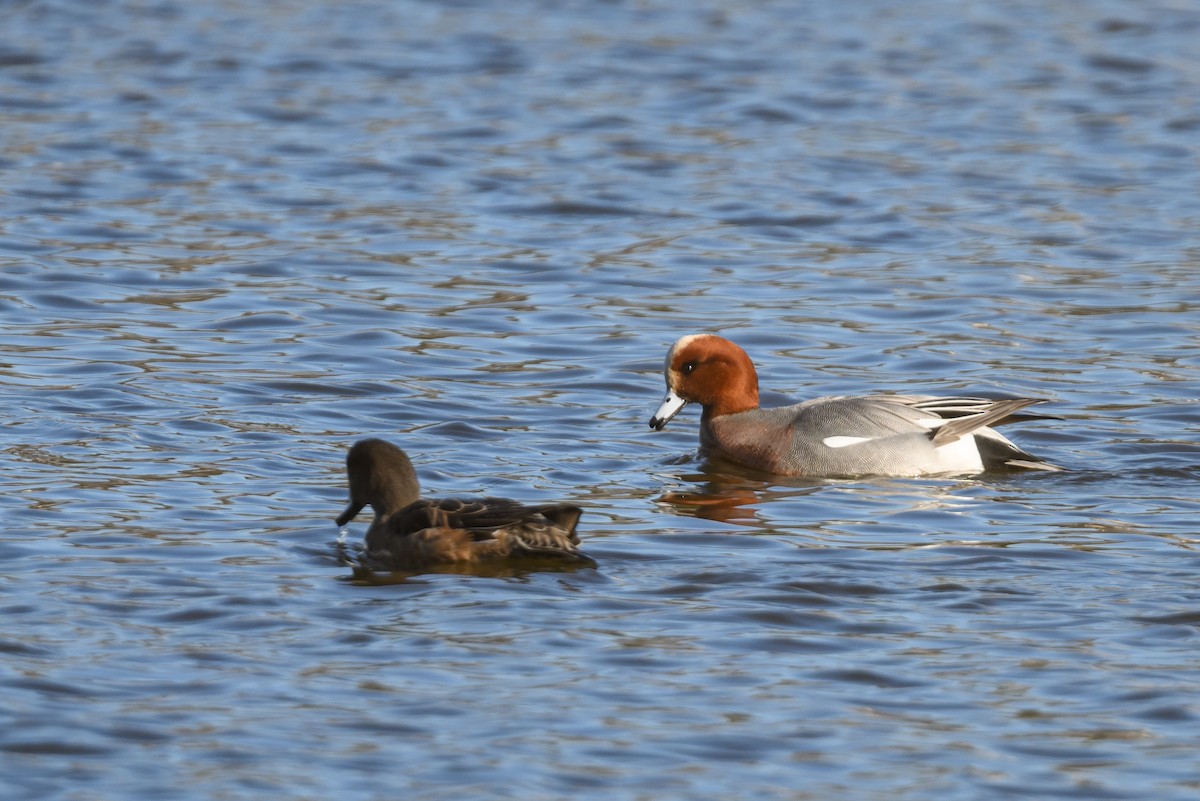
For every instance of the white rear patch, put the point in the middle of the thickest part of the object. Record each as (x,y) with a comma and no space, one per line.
(960,456)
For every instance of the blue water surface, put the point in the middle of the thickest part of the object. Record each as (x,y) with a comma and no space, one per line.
(235,237)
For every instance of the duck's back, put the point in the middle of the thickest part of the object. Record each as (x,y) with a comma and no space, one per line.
(475,530)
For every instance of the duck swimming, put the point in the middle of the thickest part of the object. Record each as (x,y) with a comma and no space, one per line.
(880,435)
(412,533)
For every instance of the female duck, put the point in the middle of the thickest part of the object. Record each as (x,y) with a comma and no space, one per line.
(882,435)
(411,533)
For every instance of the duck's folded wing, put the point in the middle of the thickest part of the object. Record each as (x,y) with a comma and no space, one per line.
(966,407)
(484,518)
(979,416)
(992,414)
(845,420)
(858,418)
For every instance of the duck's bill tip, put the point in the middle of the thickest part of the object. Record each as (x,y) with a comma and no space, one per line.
(351,511)
(669,407)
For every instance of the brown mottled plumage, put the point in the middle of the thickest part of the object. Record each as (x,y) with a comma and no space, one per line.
(412,533)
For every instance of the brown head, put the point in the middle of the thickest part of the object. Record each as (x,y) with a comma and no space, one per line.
(709,370)
(380,475)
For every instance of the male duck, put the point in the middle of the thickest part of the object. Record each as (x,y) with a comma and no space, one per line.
(882,435)
(411,533)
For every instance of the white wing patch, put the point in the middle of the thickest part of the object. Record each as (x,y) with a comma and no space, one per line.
(844,442)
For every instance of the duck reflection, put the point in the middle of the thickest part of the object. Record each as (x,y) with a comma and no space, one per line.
(728,493)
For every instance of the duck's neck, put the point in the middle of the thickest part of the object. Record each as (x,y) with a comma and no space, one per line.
(740,397)
(390,497)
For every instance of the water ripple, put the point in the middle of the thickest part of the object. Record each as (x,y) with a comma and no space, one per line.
(235,241)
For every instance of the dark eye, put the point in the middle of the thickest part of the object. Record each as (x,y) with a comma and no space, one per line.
(689,368)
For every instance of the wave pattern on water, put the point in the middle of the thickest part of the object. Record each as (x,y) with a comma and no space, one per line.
(234,238)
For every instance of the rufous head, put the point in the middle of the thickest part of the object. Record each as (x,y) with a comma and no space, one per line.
(709,370)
